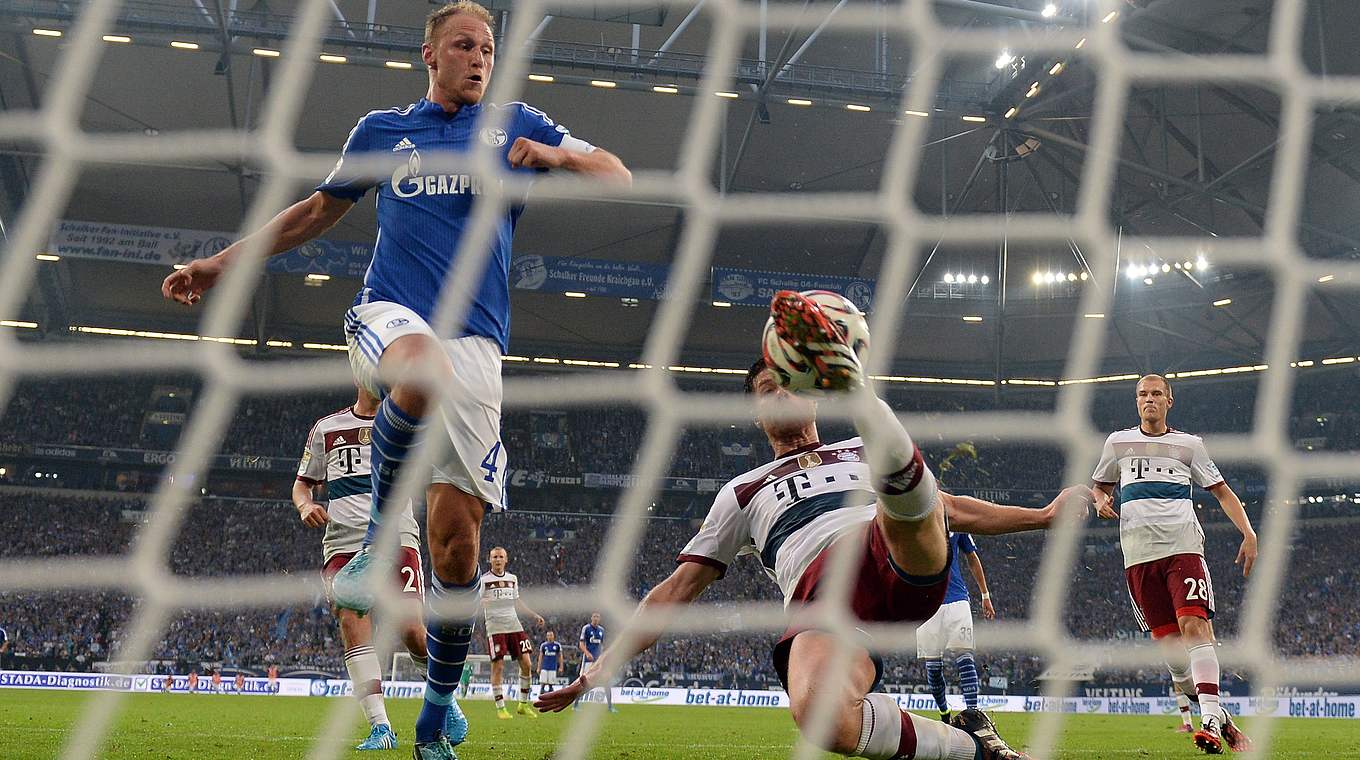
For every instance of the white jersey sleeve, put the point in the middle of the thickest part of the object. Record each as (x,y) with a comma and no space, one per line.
(1202,469)
(1107,470)
(724,534)
(312,468)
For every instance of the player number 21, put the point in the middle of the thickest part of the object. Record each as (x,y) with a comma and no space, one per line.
(1198,589)
(489,464)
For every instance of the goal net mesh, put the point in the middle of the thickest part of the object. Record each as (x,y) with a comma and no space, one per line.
(227,378)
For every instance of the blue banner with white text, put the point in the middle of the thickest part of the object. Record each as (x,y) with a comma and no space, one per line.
(753,287)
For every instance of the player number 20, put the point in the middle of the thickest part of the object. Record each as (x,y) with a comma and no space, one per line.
(1198,589)
(525,647)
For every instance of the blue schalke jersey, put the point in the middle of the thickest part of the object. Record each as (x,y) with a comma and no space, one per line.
(593,637)
(550,650)
(958,589)
(422,217)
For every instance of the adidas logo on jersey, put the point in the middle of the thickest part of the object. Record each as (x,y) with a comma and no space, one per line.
(404,144)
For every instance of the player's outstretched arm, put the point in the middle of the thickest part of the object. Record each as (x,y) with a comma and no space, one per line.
(682,587)
(983,518)
(980,578)
(599,163)
(1232,507)
(295,225)
(524,611)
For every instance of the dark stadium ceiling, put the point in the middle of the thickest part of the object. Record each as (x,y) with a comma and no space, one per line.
(1195,161)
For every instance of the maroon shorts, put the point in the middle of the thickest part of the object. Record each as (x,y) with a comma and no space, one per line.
(881,592)
(1169,588)
(510,645)
(410,575)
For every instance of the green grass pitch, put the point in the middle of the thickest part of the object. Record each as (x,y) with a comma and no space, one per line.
(34,724)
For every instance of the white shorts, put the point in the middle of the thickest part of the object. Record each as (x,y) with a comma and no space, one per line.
(949,629)
(476,462)
(547,676)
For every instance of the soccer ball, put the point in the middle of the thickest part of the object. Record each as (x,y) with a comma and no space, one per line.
(791,366)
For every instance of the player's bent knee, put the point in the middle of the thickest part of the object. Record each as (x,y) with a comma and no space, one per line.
(1195,630)
(844,730)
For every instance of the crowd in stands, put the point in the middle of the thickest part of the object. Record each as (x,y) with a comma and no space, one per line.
(1319,612)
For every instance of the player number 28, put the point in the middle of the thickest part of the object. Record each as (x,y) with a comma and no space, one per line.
(1198,589)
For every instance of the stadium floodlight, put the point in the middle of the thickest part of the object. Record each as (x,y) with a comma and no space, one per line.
(121,39)
(1004,59)
(1111,16)
(798,101)
(665,89)
(574,294)
(1012,111)
(975,119)
(1094,315)
(1037,278)
(1081,43)
(317,277)
(1165,267)
(1085,276)
(47,32)
(266,52)
(1049,278)
(603,84)
(1049,11)
(1071,276)
(1327,278)
(722,304)
(1201,264)
(1222,302)
(1147,280)
(986,280)
(332,58)
(1033,90)
(972,279)
(949,277)
(179,45)
(1056,68)
(401,65)
(972,318)
(545,78)
(857,107)
(729,95)
(921,114)
(47,257)
(1133,272)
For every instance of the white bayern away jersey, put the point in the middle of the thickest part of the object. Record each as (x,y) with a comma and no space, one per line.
(786,512)
(1155,474)
(500,594)
(337,455)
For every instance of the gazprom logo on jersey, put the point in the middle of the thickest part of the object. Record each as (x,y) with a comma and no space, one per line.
(408,182)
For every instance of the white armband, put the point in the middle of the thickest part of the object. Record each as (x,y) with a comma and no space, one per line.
(575,145)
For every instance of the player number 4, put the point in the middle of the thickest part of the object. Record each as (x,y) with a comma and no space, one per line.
(1198,589)
(489,464)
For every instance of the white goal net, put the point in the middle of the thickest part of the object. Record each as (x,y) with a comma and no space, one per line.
(227,378)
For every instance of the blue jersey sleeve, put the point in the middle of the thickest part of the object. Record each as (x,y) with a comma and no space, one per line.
(344,181)
(538,126)
(966,544)
(584,630)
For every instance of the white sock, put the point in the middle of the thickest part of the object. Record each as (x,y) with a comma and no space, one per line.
(1184,686)
(525,685)
(880,732)
(364,672)
(1204,669)
(937,740)
(1183,703)
(498,693)
(904,483)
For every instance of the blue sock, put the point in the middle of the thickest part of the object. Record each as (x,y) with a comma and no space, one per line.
(968,679)
(393,432)
(935,680)
(448,642)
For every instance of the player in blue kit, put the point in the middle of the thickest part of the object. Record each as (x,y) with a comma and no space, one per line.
(950,629)
(421,220)
(549,660)
(591,644)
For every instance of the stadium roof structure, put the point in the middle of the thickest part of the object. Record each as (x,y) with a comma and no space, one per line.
(813,112)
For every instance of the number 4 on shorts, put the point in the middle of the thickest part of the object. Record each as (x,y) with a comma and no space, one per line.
(489,463)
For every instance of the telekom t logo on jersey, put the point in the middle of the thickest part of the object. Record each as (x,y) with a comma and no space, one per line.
(1140,466)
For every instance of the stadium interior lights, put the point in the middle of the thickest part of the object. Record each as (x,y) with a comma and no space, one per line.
(1033,90)
(1147,280)
(402,65)
(857,107)
(315,277)
(266,52)
(179,45)
(975,119)
(1011,112)
(666,89)
(574,294)
(1081,43)
(921,114)
(1004,59)
(1049,11)
(1327,278)
(545,78)
(47,257)
(798,101)
(119,39)
(722,304)
(973,318)
(47,32)
(1223,302)
(1111,16)
(1094,315)
(1056,68)
(603,83)
(332,58)
(725,94)
(18,324)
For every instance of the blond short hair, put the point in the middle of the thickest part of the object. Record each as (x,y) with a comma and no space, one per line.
(468,7)
(1162,380)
